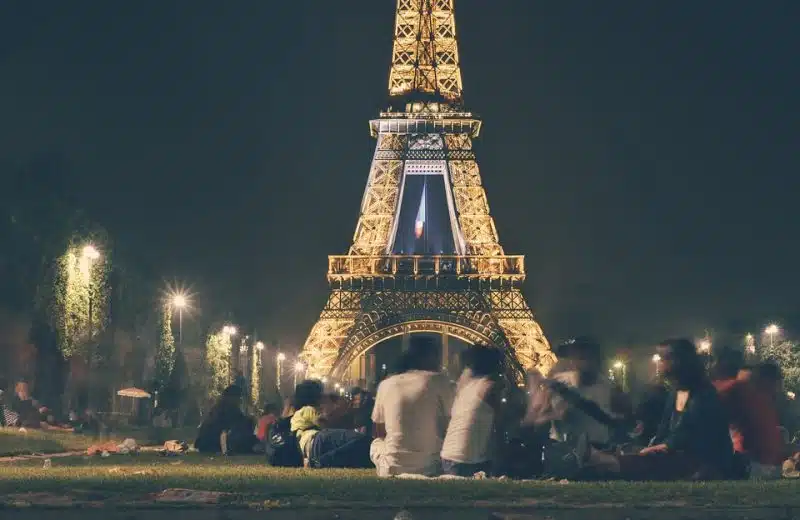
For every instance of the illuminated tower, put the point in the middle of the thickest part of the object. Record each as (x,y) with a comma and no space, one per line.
(425,256)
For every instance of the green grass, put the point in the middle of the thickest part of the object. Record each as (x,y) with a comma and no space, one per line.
(15,442)
(134,477)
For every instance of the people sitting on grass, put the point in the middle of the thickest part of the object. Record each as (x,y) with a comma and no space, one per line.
(693,442)
(335,408)
(361,406)
(753,415)
(269,415)
(474,434)
(411,413)
(324,447)
(226,429)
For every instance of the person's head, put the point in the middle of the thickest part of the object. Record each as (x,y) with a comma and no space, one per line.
(423,354)
(726,363)
(484,360)
(270,409)
(22,389)
(288,407)
(308,393)
(356,396)
(681,364)
(769,375)
(583,354)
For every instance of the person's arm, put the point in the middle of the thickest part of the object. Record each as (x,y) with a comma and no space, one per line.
(378,415)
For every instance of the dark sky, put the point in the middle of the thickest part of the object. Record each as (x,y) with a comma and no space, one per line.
(644,156)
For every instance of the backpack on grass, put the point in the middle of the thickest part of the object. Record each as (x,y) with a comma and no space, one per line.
(281,446)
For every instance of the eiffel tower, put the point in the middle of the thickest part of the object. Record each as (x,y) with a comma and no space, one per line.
(394,282)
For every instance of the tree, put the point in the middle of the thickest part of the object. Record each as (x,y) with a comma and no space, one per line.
(80,303)
(218,364)
(787,355)
(255,375)
(165,353)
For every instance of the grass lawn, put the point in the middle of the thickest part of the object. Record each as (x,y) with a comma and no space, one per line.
(119,476)
(15,442)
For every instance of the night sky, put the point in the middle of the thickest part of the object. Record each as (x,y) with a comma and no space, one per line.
(644,156)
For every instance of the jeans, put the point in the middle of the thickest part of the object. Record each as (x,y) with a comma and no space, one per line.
(340,449)
(462,469)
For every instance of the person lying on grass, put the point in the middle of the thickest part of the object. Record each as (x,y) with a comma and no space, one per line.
(321,446)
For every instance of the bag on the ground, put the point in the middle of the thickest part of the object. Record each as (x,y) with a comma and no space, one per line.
(281,446)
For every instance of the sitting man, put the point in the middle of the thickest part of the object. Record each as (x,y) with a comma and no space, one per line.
(411,413)
(753,416)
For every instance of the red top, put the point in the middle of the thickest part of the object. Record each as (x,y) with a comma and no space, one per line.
(263,426)
(754,421)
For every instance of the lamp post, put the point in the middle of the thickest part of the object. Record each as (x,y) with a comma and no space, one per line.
(620,365)
(230,331)
(749,344)
(90,255)
(179,302)
(280,358)
(771,330)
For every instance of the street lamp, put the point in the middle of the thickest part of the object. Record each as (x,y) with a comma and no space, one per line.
(179,301)
(90,252)
(771,330)
(620,365)
(657,361)
(229,330)
(750,343)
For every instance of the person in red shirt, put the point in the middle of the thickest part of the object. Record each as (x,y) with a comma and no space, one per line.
(268,417)
(753,416)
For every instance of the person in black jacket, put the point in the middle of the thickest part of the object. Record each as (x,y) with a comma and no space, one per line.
(226,417)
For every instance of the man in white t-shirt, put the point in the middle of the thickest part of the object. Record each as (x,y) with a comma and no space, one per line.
(411,413)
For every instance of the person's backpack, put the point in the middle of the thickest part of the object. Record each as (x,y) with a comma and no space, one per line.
(281,445)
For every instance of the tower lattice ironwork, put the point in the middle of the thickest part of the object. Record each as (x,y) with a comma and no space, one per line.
(473,294)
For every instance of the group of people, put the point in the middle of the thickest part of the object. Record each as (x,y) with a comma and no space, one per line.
(701,420)
(20,409)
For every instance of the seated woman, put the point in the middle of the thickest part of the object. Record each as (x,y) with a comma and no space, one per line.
(322,447)
(472,441)
(226,429)
(692,443)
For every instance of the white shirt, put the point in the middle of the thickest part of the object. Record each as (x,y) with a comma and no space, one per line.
(471,422)
(414,407)
(577,422)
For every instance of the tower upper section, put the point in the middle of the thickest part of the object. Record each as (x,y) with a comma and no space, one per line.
(425,63)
